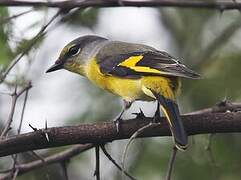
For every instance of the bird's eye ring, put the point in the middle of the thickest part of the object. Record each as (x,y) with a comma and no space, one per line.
(74,50)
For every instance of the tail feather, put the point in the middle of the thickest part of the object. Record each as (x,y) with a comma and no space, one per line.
(171,111)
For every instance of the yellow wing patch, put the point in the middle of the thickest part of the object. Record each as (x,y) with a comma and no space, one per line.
(133,60)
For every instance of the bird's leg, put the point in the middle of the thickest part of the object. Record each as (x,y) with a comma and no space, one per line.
(157,116)
(118,120)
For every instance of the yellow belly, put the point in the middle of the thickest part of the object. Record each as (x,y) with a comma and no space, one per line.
(130,89)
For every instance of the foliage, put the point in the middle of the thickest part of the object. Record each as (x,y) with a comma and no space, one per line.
(5,32)
(82,17)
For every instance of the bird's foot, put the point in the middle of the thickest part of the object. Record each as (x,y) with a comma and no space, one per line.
(157,117)
(118,121)
(140,114)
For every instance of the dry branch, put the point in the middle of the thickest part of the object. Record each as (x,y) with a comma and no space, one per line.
(56,158)
(219,5)
(15,97)
(104,132)
(171,163)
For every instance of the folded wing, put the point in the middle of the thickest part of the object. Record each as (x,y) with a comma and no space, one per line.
(147,63)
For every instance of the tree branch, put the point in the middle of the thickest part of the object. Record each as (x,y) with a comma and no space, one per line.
(56,158)
(171,163)
(15,97)
(104,132)
(219,5)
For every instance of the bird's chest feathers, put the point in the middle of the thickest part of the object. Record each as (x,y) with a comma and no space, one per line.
(126,88)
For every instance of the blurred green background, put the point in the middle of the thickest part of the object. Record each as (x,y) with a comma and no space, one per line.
(208,41)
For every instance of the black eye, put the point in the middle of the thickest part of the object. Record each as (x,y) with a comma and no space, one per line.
(74,50)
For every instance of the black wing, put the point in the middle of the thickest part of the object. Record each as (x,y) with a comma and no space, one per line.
(147,63)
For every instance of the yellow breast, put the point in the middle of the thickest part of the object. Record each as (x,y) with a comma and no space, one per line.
(129,89)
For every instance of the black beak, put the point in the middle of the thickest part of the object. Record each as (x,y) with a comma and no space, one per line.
(58,65)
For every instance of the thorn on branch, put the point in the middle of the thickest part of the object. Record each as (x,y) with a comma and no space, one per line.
(203,122)
(224,103)
(225,106)
(46,136)
(33,128)
(45,133)
(46,124)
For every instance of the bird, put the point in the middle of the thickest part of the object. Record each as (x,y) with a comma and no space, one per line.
(133,72)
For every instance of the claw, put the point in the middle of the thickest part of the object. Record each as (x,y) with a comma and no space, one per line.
(157,116)
(118,122)
(140,114)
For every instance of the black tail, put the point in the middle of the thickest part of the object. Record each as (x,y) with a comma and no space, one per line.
(171,111)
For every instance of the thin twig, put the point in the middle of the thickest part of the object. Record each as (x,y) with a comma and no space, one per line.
(24,106)
(14,101)
(65,170)
(2,171)
(97,161)
(219,5)
(115,163)
(29,47)
(15,96)
(36,155)
(171,163)
(5,20)
(56,158)
(137,133)
(14,170)
(15,174)
(221,107)
(208,148)
(10,116)
(217,43)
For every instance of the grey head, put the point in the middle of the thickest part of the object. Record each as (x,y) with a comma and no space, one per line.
(77,52)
